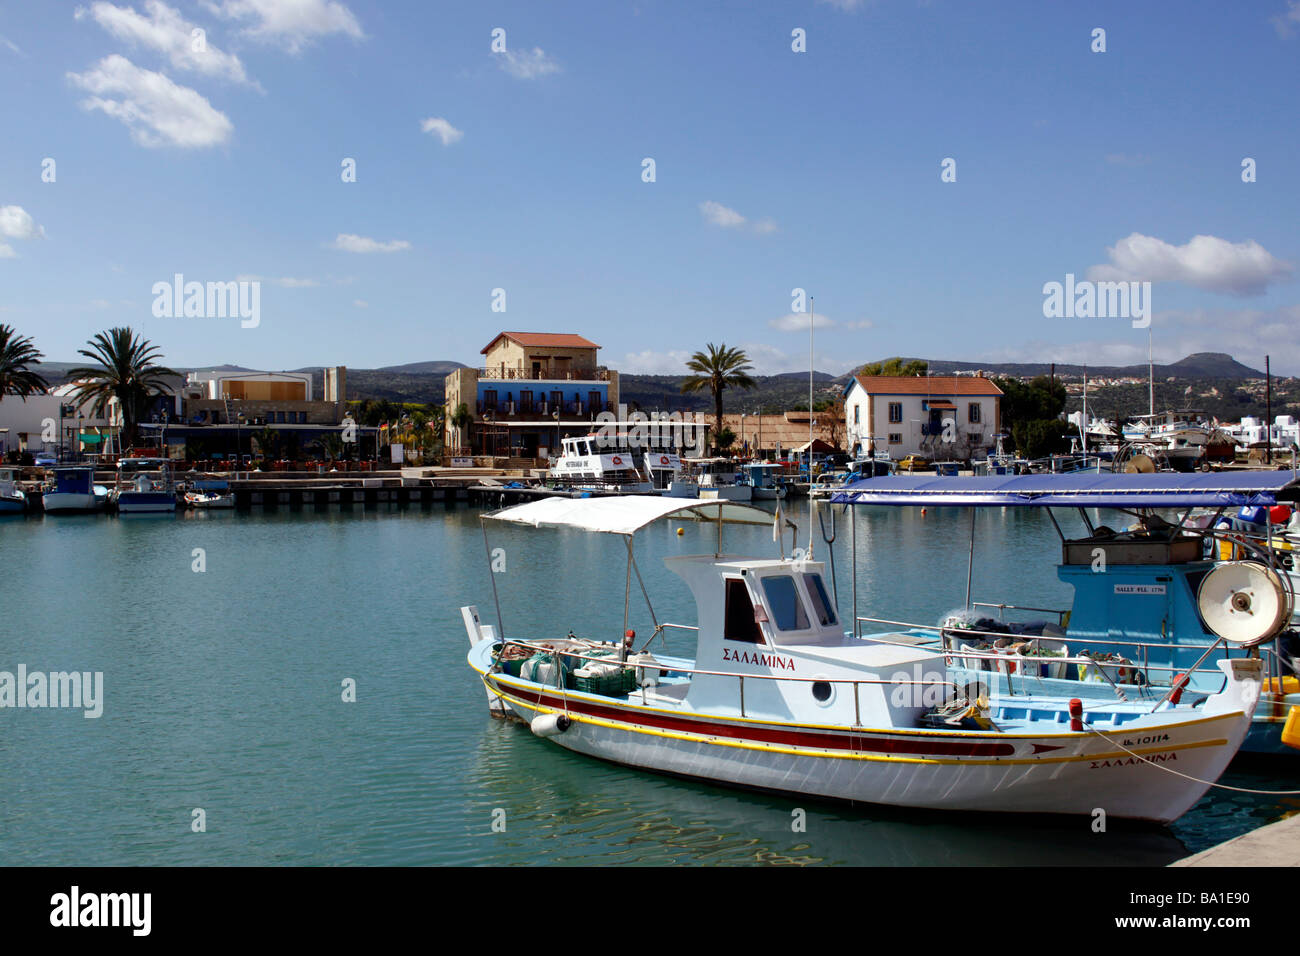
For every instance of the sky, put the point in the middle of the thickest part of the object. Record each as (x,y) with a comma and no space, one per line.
(402,180)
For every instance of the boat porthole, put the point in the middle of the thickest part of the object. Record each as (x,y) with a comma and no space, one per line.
(821,691)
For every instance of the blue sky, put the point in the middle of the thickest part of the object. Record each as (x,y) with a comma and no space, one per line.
(774,169)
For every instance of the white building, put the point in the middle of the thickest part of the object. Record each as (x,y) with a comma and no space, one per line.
(939,416)
(40,421)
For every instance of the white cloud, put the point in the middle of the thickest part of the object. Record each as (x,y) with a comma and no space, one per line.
(725,217)
(798,322)
(1128,159)
(157,111)
(439,127)
(527,65)
(720,215)
(167,32)
(17,223)
(361,303)
(11,45)
(860,324)
(655,363)
(7,251)
(1288,20)
(1207,262)
(292,24)
(284,282)
(846,5)
(346,242)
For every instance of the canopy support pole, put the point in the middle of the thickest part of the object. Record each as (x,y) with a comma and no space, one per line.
(501,628)
(853,546)
(1051,514)
(970,562)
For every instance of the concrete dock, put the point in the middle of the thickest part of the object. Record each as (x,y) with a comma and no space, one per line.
(1277,844)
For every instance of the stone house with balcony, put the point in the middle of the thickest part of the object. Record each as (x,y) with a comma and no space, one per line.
(533,390)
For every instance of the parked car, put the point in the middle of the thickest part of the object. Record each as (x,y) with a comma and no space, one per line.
(45,459)
(913,462)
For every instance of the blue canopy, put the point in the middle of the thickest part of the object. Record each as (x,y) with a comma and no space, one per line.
(1217,490)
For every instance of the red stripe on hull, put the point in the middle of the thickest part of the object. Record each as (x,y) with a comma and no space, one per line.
(847,740)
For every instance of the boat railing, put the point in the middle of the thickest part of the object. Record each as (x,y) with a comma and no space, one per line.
(1060,615)
(856,682)
(1275,666)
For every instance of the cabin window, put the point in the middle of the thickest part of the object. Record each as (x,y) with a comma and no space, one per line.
(973,416)
(895,412)
(822,605)
(783,599)
(740,624)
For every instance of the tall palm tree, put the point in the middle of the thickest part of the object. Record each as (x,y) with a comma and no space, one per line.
(16,354)
(718,369)
(126,371)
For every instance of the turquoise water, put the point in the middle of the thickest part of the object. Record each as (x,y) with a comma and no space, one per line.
(223,691)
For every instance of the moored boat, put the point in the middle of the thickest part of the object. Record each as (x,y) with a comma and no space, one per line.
(73,491)
(1153,605)
(779,697)
(12,499)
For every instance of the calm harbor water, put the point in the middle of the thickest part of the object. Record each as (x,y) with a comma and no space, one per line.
(223,691)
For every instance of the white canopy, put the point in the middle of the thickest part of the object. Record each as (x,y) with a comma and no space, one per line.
(626,514)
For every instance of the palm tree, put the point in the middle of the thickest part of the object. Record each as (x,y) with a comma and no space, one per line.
(126,372)
(16,354)
(718,369)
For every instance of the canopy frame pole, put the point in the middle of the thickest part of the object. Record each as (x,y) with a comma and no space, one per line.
(1087,523)
(719,551)
(970,561)
(1051,514)
(501,628)
(631,557)
(853,546)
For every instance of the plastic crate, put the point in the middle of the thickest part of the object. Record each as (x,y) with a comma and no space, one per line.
(609,685)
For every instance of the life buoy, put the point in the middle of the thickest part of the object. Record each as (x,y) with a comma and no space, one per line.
(663,459)
(616,460)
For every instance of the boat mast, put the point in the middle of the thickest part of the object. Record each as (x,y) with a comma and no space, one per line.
(812,321)
(1151,378)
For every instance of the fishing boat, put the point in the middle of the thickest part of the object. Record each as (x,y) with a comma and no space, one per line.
(12,499)
(144,486)
(764,480)
(779,697)
(1154,603)
(72,490)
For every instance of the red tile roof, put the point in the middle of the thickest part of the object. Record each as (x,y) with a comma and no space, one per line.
(555,340)
(937,385)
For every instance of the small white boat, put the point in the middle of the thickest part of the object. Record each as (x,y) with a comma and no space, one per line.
(779,697)
(144,486)
(209,499)
(73,491)
(12,499)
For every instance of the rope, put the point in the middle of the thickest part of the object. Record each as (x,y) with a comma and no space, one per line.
(1185,776)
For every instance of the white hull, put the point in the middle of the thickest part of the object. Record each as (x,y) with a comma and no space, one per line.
(1052,773)
(13,505)
(726,492)
(57,502)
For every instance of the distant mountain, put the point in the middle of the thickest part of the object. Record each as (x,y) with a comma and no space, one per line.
(419,368)
(1199,365)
